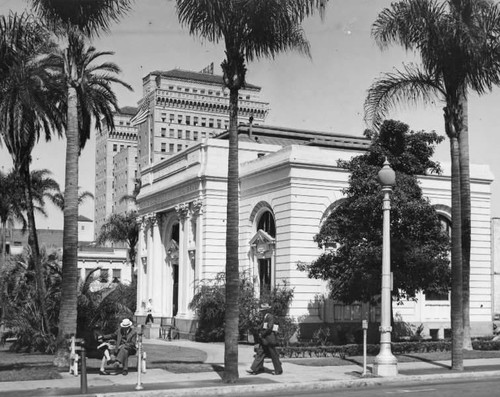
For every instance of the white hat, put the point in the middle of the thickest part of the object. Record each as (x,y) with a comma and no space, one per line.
(265,306)
(126,323)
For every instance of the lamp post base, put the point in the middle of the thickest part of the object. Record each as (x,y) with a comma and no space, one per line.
(385,365)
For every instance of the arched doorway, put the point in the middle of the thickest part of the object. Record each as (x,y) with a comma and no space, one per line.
(173,255)
(263,248)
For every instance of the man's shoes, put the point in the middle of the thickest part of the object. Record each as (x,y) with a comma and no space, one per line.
(278,372)
(125,372)
(249,371)
(103,372)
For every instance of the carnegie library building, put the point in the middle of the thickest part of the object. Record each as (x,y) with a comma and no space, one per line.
(289,184)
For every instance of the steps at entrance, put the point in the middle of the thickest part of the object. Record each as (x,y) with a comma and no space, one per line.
(151,331)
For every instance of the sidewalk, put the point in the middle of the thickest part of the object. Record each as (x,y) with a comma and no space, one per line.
(158,382)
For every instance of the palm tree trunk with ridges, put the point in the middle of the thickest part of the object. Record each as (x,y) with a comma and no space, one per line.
(232,233)
(4,244)
(4,261)
(68,310)
(456,310)
(465,201)
(35,248)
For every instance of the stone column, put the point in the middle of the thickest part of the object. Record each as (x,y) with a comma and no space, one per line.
(195,243)
(155,270)
(184,230)
(141,275)
(152,225)
(161,307)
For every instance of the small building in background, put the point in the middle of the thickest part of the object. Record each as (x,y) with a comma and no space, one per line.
(113,262)
(108,145)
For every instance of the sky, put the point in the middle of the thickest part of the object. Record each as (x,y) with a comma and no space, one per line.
(325,92)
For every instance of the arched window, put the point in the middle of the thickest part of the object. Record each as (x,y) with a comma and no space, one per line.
(265,262)
(175,232)
(266,223)
(174,255)
(446,226)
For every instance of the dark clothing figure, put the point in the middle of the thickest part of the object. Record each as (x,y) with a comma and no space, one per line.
(125,337)
(92,341)
(267,347)
(149,309)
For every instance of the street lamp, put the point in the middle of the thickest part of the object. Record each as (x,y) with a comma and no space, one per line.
(385,362)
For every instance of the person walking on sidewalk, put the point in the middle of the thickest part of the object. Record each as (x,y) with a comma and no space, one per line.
(149,310)
(267,345)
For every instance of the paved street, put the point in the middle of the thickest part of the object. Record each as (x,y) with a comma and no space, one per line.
(466,388)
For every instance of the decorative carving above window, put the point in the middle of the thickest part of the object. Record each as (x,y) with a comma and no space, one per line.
(182,210)
(173,251)
(262,244)
(160,218)
(197,206)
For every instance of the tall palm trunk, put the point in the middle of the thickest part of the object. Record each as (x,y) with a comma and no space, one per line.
(4,243)
(463,12)
(2,265)
(232,233)
(456,244)
(35,248)
(465,201)
(68,310)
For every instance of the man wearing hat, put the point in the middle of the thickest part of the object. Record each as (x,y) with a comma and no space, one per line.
(267,345)
(125,337)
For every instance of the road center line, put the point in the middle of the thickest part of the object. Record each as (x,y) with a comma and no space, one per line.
(410,391)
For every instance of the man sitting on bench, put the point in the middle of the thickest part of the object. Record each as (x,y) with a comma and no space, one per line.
(125,337)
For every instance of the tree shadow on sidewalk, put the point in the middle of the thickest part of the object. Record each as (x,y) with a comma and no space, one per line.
(426,360)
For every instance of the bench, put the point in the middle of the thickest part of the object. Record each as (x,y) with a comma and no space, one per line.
(75,351)
(169,331)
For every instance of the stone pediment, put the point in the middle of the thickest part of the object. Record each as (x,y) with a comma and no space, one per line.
(261,237)
(262,244)
(173,249)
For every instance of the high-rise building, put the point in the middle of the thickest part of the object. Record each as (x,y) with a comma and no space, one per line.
(125,179)
(180,108)
(108,145)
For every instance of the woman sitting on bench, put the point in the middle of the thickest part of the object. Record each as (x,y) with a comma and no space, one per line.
(125,337)
(106,348)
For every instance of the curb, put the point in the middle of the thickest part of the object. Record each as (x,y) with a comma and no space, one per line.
(302,387)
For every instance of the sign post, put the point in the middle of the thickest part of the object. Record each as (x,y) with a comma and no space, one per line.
(139,359)
(364,325)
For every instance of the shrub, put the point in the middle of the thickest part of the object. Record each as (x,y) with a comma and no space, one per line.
(321,335)
(104,308)
(306,350)
(23,319)
(209,305)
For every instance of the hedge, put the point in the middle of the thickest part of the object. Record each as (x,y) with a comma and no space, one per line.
(311,351)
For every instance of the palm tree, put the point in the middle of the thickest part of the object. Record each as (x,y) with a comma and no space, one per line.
(58,198)
(121,228)
(82,18)
(132,198)
(10,207)
(249,29)
(458,42)
(13,205)
(28,99)
(10,211)
(43,187)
